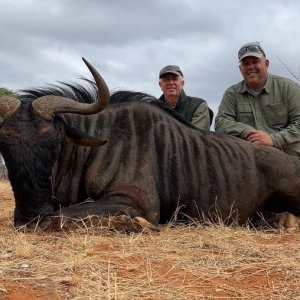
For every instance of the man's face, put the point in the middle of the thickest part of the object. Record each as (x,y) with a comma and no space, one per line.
(254,71)
(171,85)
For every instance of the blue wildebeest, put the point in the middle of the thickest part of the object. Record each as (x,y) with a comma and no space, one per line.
(133,159)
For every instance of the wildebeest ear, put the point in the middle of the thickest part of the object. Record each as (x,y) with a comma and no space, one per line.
(80,138)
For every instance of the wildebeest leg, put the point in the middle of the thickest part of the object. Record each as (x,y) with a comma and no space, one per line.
(118,222)
(119,216)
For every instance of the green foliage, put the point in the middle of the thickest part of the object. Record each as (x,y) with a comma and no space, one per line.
(6,92)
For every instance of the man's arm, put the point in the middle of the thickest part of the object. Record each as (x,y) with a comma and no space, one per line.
(201,117)
(291,133)
(226,119)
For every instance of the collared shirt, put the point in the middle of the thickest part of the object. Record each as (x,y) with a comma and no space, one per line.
(194,110)
(276,110)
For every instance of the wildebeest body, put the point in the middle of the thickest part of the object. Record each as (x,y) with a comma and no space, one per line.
(154,164)
(167,164)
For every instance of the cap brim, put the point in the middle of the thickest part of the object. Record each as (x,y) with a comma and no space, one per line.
(255,54)
(170,72)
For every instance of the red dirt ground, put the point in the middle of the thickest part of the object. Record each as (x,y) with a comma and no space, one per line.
(245,279)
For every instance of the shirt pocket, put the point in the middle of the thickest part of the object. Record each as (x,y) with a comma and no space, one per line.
(277,114)
(245,114)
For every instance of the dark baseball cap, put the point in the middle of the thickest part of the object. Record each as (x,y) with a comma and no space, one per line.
(170,69)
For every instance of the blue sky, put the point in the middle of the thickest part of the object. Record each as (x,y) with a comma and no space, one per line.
(130,41)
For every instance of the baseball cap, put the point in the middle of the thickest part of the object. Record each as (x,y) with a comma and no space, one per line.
(173,69)
(251,49)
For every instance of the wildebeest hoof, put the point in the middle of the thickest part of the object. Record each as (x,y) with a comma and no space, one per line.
(144,225)
(118,223)
(128,224)
(289,222)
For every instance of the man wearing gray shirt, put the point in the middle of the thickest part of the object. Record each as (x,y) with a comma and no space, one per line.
(263,108)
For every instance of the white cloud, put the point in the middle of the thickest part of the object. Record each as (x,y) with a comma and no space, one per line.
(129,41)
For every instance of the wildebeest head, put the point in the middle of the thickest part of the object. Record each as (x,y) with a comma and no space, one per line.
(30,137)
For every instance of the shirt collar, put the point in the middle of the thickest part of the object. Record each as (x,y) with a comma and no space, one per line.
(266,88)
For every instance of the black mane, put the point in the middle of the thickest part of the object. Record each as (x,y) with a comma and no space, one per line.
(89,94)
(129,96)
(74,91)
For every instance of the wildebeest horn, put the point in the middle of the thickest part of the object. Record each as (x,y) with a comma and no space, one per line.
(8,105)
(48,106)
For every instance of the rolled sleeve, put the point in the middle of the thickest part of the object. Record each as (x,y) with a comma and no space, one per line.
(201,117)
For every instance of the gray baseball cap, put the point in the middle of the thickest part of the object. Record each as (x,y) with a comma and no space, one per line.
(170,69)
(251,49)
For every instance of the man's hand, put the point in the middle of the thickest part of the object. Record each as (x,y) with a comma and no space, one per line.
(259,137)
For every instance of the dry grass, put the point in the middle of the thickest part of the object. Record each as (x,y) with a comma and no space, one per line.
(184,262)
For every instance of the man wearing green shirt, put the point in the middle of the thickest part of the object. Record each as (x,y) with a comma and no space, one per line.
(194,110)
(263,108)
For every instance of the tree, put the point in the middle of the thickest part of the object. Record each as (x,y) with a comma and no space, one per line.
(6,92)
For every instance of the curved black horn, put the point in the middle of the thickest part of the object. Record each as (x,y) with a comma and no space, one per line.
(48,106)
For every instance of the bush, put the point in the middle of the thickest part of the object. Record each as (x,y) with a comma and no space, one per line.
(3,171)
